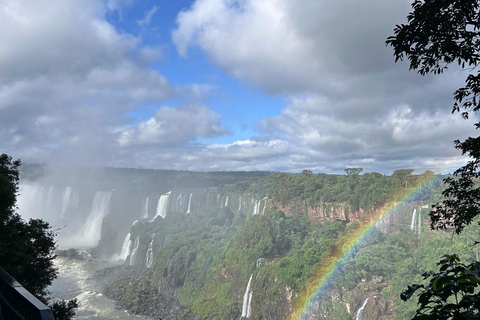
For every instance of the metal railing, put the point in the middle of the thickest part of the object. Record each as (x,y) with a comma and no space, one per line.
(17,303)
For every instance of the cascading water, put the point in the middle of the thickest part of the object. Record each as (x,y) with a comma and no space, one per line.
(264,206)
(412,225)
(145,209)
(256,207)
(149,261)
(226,201)
(162,206)
(123,255)
(89,235)
(69,199)
(189,209)
(134,254)
(239,203)
(247,300)
(358,316)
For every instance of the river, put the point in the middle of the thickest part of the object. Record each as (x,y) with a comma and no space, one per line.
(75,280)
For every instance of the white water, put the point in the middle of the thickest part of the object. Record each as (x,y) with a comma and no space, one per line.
(75,281)
(189,209)
(412,225)
(239,203)
(149,261)
(247,300)
(226,202)
(162,206)
(256,207)
(264,206)
(123,255)
(359,312)
(145,209)
(89,235)
(69,199)
(134,254)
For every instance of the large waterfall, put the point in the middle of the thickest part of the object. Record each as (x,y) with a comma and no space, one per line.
(89,235)
(247,300)
(162,205)
(69,199)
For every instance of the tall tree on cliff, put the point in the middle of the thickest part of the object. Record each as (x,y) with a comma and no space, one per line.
(27,248)
(439,33)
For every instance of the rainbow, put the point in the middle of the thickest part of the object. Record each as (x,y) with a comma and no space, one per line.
(308,301)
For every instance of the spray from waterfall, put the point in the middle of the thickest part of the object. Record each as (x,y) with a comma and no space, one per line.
(239,203)
(123,255)
(89,235)
(69,199)
(226,201)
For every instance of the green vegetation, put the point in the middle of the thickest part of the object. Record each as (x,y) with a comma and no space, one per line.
(439,33)
(204,260)
(27,248)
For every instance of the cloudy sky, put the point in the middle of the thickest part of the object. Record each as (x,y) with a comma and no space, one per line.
(206,85)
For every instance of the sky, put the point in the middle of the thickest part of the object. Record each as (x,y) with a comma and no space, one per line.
(208,85)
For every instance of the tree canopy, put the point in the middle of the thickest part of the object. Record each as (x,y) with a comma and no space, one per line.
(439,33)
(27,248)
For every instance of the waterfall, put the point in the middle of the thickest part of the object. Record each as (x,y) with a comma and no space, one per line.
(226,201)
(149,262)
(69,199)
(264,206)
(256,207)
(123,255)
(239,203)
(359,312)
(189,209)
(134,254)
(419,230)
(412,225)
(89,234)
(145,209)
(247,300)
(162,206)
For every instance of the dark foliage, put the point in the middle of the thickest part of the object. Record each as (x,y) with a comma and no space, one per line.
(438,33)
(26,248)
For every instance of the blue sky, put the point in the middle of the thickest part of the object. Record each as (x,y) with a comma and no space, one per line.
(207,85)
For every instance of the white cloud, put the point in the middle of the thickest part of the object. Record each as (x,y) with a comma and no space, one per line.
(174,126)
(148,17)
(68,80)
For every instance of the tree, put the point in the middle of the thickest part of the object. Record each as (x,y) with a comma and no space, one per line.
(439,33)
(27,248)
